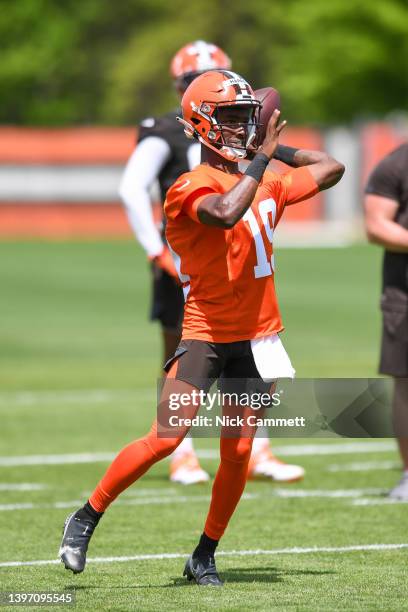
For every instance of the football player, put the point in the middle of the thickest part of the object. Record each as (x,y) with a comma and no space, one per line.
(162,154)
(220,226)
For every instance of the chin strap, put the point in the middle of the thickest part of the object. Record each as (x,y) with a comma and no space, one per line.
(232,154)
(189,130)
(227,152)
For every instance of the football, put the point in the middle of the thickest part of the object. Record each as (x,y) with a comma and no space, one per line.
(270,99)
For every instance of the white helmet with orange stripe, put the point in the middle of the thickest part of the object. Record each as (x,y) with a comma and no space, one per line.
(194,59)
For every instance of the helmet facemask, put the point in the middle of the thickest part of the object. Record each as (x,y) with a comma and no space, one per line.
(249,129)
(222,130)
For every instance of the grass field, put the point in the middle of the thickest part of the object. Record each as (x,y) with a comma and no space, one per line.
(78,362)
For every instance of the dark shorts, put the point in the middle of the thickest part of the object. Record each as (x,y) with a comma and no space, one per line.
(167,301)
(201,363)
(238,386)
(394,345)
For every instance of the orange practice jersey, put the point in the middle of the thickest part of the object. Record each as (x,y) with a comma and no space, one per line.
(228,275)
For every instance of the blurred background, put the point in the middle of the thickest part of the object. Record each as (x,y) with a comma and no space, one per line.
(75,79)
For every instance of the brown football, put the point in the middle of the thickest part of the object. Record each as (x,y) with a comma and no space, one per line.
(270,99)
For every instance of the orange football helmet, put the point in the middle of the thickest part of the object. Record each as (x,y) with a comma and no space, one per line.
(194,59)
(202,100)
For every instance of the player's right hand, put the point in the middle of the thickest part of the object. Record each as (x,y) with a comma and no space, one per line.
(165,262)
(271,140)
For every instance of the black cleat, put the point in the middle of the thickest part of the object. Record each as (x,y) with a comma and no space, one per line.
(202,570)
(75,539)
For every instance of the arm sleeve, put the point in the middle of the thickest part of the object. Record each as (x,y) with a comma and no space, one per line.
(194,155)
(187,192)
(142,169)
(385,180)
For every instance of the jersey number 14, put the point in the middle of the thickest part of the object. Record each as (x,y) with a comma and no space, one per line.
(264,267)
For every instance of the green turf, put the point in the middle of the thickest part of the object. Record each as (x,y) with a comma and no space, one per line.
(73,325)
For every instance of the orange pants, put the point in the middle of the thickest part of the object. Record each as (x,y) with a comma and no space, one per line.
(136,458)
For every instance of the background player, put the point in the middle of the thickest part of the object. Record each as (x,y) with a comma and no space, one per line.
(386,217)
(226,275)
(162,154)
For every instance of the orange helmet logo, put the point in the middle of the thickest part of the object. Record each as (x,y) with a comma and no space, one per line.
(207,94)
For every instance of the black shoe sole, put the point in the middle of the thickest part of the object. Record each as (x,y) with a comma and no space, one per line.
(68,567)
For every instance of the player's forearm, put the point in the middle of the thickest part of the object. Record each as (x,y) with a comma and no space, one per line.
(298,157)
(326,170)
(227,209)
(387,234)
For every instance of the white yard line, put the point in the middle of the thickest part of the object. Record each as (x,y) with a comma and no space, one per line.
(325,493)
(336,448)
(22,506)
(226,553)
(188,499)
(143,501)
(363,466)
(385,501)
(74,396)
(292,450)
(22,486)
(141,492)
(71,458)
(179,499)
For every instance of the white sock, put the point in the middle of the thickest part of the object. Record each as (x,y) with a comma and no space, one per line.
(186,446)
(261,440)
